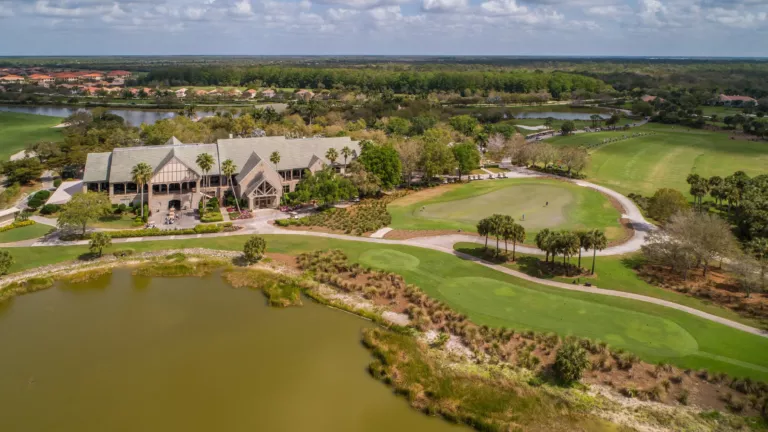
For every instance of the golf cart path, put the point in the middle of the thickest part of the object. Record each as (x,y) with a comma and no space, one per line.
(261,226)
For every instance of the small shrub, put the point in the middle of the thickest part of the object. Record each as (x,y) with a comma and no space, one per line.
(34,203)
(683,397)
(49,209)
(570,362)
(57,182)
(122,253)
(254,249)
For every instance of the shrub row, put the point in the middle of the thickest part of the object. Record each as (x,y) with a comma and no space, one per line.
(157,232)
(17,224)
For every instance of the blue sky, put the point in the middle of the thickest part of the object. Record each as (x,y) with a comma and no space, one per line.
(385,27)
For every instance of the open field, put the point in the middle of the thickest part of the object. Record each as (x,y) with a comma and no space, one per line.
(645,164)
(462,206)
(24,233)
(653,332)
(18,130)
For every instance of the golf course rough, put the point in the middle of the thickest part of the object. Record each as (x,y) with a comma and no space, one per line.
(534,203)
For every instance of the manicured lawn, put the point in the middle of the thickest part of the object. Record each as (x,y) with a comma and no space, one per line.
(655,333)
(616,273)
(24,233)
(645,164)
(462,206)
(721,111)
(19,130)
(123,221)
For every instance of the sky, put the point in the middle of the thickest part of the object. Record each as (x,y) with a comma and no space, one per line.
(727,28)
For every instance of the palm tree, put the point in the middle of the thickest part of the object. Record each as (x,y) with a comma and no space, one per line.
(543,240)
(205,162)
(598,242)
(595,120)
(507,225)
(190,110)
(568,245)
(517,236)
(584,242)
(497,228)
(275,158)
(346,152)
(484,229)
(332,155)
(141,175)
(228,168)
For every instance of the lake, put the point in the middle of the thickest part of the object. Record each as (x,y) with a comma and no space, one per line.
(558,115)
(134,117)
(125,353)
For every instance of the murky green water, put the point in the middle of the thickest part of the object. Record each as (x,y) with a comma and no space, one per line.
(126,353)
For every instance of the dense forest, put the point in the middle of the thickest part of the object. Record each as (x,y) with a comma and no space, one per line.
(369,79)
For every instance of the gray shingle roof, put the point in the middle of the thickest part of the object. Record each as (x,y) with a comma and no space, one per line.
(245,153)
(97,167)
(125,158)
(294,153)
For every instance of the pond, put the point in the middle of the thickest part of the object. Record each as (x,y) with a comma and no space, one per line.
(134,117)
(129,353)
(558,115)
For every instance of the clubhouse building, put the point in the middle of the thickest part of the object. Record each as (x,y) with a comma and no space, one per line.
(177,180)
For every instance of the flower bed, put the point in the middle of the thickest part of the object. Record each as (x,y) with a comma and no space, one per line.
(17,224)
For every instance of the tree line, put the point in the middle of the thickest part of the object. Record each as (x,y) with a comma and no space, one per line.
(376,80)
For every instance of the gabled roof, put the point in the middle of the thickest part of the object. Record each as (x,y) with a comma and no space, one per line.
(125,158)
(250,164)
(294,153)
(173,141)
(97,167)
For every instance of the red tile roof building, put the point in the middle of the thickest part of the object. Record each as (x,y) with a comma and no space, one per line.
(736,100)
(119,74)
(12,79)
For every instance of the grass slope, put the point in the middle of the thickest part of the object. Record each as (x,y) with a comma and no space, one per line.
(645,164)
(462,206)
(19,130)
(655,333)
(24,233)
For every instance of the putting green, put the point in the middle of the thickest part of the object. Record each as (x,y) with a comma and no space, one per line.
(533,203)
(527,308)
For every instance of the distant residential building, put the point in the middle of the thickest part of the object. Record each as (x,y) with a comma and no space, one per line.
(268,93)
(201,92)
(180,93)
(69,77)
(651,99)
(12,79)
(119,74)
(250,93)
(736,100)
(92,76)
(305,94)
(41,79)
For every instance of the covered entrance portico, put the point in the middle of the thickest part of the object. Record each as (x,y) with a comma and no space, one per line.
(264,195)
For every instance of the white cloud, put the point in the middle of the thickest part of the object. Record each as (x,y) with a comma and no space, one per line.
(608,10)
(444,5)
(5,10)
(737,18)
(362,4)
(503,7)
(335,14)
(652,11)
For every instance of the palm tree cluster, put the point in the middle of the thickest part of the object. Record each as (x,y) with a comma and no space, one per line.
(569,243)
(503,227)
(141,174)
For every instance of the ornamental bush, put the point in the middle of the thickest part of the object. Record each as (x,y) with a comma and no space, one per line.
(49,209)
(570,362)
(254,249)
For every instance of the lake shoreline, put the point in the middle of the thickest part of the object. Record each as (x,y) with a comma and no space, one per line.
(441,357)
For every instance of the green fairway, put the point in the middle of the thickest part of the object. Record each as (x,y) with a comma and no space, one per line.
(18,130)
(24,233)
(462,206)
(616,273)
(655,333)
(644,164)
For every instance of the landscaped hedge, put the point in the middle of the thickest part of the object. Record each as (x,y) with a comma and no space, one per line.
(17,224)
(211,216)
(157,232)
